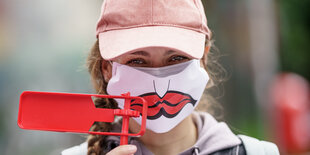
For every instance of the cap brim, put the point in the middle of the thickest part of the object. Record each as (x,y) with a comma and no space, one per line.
(114,43)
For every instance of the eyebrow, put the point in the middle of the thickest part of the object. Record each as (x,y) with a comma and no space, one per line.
(143,53)
(169,52)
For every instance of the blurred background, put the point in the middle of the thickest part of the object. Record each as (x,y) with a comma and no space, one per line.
(44,45)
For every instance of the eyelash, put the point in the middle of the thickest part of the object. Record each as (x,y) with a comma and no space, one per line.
(141,62)
(135,61)
(177,58)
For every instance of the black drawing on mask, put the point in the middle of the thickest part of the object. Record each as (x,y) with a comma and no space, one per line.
(156,91)
(168,105)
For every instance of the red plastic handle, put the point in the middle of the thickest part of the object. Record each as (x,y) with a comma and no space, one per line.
(67,112)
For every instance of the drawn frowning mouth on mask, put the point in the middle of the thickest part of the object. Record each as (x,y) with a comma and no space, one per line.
(169,105)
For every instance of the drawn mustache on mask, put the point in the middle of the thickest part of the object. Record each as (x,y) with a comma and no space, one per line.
(169,105)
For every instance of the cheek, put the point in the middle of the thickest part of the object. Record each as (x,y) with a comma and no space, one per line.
(202,63)
(106,71)
(107,76)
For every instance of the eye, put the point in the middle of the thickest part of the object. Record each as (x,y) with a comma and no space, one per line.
(178,59)
(136,62)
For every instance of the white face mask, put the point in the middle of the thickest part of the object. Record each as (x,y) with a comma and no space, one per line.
(172,92)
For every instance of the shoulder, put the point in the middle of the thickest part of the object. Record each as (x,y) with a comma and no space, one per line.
(236,150)
(255,146)
(250,146)
(76,150)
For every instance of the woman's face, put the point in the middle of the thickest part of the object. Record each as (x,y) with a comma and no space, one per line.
(147,57)
(152,57)
(171,97)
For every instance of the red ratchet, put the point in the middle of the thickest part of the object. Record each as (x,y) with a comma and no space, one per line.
(68,112)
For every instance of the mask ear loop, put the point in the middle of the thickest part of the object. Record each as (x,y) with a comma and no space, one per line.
(111,63)
(101,69)
(113,67)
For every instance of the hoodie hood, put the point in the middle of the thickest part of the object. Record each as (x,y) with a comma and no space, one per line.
(212,135)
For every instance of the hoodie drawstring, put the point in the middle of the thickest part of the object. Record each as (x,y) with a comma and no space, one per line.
(196,150)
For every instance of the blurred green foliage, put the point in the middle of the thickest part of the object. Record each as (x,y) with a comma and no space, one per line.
(295,36)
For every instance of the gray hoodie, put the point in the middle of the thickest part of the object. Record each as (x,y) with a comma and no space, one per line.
(212,136)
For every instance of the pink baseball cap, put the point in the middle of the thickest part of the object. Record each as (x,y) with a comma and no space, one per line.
(128,25)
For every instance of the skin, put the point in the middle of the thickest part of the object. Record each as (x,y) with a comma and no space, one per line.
(180,138)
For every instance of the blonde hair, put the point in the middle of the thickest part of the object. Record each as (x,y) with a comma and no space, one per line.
(96,143)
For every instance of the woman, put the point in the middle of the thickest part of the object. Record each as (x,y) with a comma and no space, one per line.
(157,49)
